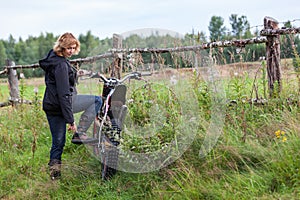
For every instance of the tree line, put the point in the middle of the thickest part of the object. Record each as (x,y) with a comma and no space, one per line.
(29,51)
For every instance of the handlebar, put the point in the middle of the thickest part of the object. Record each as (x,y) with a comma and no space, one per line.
(135,75)
(132,75)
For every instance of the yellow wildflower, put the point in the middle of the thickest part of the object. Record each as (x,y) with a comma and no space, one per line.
(284,139)
(278,133)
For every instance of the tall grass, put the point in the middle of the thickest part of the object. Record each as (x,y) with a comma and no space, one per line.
(256,157)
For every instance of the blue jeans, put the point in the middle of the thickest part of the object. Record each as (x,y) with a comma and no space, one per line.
(58,132)
(90,104)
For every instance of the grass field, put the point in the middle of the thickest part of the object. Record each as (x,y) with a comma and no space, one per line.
(255,157)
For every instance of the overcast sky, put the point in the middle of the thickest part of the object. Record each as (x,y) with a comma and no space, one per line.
(23,18)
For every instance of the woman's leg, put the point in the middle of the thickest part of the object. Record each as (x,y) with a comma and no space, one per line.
(58,131)
(90,105)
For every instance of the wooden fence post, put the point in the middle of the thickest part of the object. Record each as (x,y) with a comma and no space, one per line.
(13,83)
(273,58)
(116,68)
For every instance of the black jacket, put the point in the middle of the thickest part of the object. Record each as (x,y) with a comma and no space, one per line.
(60,86)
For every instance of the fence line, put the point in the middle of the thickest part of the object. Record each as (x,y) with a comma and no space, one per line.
(217,44)
(111,54)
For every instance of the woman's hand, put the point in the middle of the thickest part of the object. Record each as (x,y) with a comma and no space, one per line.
(82,72)
(72,127)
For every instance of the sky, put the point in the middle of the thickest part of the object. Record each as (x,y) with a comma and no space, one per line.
(24,18)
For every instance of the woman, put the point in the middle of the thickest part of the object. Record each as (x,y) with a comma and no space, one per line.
(61,100)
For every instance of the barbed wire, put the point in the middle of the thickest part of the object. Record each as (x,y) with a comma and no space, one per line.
(294,20)
(283,22)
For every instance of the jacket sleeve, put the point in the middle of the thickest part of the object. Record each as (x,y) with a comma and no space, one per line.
(63,91)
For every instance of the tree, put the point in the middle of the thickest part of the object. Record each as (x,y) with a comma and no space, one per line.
(240,26)
(3,55)
(89,44)
(10,47)
(216,28)
(19,51)
(287,42)
(45,43)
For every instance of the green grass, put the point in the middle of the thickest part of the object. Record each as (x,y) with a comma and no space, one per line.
(249,160)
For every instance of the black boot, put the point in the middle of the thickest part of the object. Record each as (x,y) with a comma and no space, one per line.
(82,138)
(54,168)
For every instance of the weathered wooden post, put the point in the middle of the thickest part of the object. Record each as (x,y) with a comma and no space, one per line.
(273,58)
(117,63)
(13,83)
